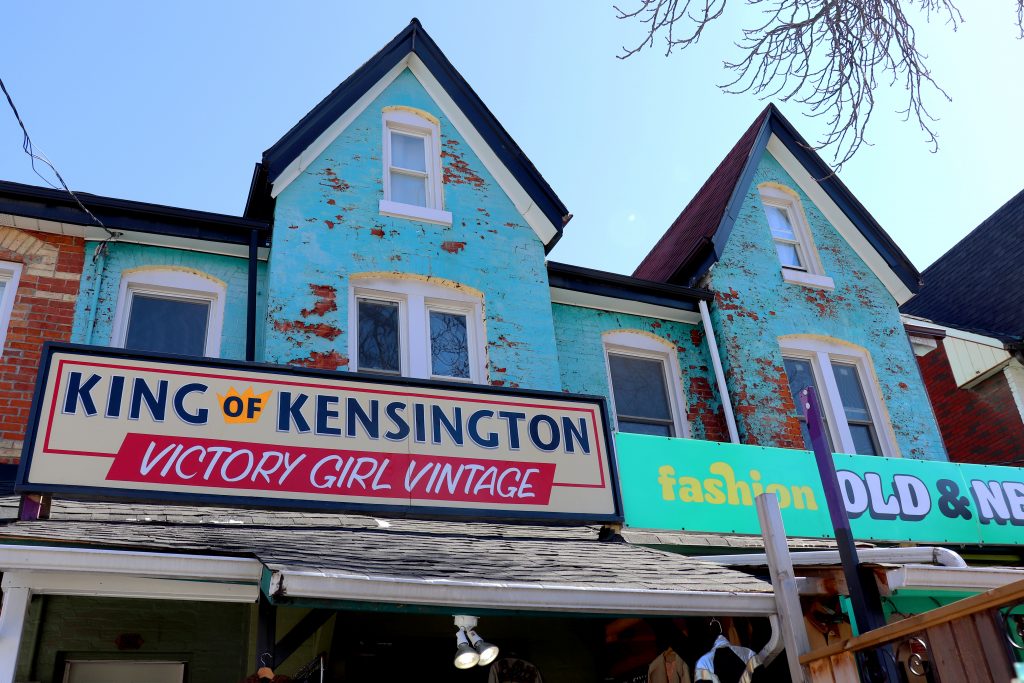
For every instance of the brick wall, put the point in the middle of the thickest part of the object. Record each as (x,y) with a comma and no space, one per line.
(44,309)
(980,424)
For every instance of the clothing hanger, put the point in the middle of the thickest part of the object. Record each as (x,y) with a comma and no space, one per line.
(716,622)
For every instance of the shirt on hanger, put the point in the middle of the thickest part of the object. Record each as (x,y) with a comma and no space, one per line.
(512,670)
(726,663)
(668,667)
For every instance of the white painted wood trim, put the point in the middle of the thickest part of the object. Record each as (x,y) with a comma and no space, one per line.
(533,216)
(645,345)
(10,275)
(415,299)
(118,585)
(569,297)
(821,352)
(805,279)
(839,220)
(416,213)
(12,625)
(294,169)
(1015,378)
(171,283)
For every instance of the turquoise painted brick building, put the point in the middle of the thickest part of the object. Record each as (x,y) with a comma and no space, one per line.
(397,231)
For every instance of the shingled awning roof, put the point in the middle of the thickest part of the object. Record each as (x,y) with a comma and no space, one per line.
(412,561)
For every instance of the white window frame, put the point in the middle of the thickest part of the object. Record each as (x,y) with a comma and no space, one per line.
(10,275)
(409,123)
(640,345)
(813,273)
(821,353)
(415,300)
(168,283)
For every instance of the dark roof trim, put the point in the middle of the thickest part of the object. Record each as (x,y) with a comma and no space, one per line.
(918,331)
(845,200)
(615,286)
(414,39)
(732,209)
(47,204)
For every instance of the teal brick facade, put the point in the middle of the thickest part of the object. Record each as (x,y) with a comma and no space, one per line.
(328,227)
(754,307)
(101,282)
(581,353)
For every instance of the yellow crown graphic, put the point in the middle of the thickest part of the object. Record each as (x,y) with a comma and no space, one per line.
(244,408)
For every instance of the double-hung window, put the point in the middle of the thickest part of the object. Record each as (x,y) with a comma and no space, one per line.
(169,311)
(417,330)
(10,274)
(844,381)
(412,167)
(791,235)
(645,386)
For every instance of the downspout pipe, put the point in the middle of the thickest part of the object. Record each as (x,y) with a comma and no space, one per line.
(716,363)
(250,321)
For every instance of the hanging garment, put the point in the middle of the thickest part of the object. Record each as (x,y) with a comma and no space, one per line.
(726,663)
(668,667)
(512,670)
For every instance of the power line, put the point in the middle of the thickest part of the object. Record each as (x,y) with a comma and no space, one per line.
(36,154)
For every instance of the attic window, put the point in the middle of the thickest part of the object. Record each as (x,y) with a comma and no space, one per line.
(794,244)
(412,168)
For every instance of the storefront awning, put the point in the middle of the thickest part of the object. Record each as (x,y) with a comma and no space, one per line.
(328,558)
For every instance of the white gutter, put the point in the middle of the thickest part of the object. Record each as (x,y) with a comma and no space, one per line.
(923,577)
(716,362)
(519,596)
(153,565)
(916,555)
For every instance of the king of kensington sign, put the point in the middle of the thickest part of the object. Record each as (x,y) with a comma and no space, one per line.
(114,423)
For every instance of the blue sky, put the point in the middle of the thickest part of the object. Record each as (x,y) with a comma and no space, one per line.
(174,103)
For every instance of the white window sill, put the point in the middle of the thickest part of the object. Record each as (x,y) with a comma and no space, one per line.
(805,279)
(416,213)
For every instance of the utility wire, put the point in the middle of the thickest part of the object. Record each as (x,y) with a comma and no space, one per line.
(36,154)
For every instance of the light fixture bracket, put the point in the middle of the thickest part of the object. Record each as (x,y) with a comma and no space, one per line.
(465,621)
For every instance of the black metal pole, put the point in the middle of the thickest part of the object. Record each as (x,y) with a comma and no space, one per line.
(864,597)
(250,321)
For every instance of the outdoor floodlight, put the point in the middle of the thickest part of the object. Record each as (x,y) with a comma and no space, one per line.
(466,657)
(488,651)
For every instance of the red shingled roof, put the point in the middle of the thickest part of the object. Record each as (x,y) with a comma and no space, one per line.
(699,221)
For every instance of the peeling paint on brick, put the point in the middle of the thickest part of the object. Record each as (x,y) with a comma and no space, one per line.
(453,247)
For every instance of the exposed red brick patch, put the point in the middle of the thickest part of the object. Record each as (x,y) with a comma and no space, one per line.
(332,181)
(331,202)
(326,300)
(323,330)
(497,382)
(904,386)
(329,224)
(453,247)
(696,338)
(377,232)
(456,170)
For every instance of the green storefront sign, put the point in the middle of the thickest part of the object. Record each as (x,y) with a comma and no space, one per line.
(704,486)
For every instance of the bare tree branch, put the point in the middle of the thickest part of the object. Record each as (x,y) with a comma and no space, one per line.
(827,55)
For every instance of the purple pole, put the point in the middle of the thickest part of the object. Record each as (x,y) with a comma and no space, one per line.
(864,596)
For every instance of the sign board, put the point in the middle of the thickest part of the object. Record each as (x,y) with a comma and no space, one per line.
(709,487)
(116,423)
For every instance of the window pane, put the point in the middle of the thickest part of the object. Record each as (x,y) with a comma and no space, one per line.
(449,345)
(851,392)
(639,387)
(378,337)
(167,325)
(788,254)
(408,151)
(864,439)
(644,428)
(408,189)
(778,221)
(801,376)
